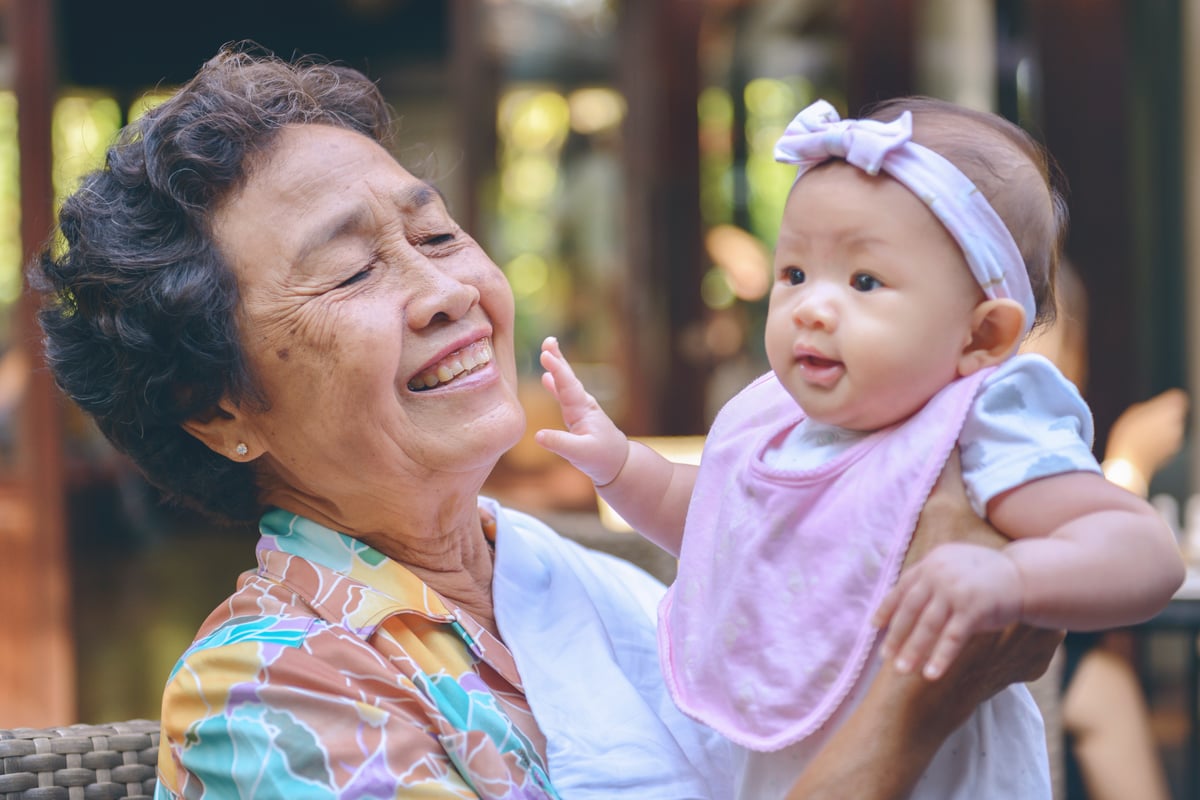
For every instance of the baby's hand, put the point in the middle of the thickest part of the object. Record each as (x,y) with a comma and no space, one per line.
(591,442)
(955,591)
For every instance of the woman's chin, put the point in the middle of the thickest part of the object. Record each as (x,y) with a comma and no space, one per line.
(484,441)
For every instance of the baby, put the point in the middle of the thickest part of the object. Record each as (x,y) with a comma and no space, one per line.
(916,250)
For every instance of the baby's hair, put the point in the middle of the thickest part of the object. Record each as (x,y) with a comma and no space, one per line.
(1032,202)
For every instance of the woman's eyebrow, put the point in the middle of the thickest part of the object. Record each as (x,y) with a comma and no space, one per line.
(418,195)
(331,230)
(411,198)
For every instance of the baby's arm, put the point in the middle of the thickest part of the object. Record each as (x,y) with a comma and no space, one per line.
(1091,554)
(1085,555)
(648,491)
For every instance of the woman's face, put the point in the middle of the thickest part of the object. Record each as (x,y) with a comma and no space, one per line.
(380,332)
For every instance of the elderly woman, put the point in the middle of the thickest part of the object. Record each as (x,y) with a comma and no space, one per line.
(277,321)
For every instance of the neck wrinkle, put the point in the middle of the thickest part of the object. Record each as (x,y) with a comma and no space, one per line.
(451,555)
(454,561)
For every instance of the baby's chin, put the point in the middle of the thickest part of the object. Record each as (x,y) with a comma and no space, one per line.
(850,408)
(863,420)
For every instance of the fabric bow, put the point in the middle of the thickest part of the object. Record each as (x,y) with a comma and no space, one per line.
(817,134)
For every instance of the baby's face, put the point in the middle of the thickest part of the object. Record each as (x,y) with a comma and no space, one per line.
(872,303)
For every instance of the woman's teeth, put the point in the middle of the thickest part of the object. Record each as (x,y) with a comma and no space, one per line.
(457,363)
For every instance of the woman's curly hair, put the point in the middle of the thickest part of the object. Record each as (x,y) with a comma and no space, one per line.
(139,307)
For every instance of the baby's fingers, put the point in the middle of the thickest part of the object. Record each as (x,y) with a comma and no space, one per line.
(549,384)
(550,345)
(560,379)
(899,611)
(949,645)
(891,601)
(920,641)
(555,363)
(558,442)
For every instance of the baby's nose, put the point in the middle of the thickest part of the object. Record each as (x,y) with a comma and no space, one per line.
(815,308)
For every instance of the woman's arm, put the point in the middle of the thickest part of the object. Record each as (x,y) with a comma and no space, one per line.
(263,708)
(891,737)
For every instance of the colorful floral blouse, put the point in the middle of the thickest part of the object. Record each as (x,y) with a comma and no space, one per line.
(334,672)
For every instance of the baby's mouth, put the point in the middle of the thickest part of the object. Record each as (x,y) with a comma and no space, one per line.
(460,362)
(818,362)
(820,371)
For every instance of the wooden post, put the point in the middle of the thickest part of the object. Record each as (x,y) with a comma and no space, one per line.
(659,76)
(474,76)
(1191,226)
(37,669)
(1082,46)
(882,45)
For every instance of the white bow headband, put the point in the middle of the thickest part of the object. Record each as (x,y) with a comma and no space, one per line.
(818,134)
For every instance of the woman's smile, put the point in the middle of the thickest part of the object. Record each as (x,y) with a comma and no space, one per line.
(460,362)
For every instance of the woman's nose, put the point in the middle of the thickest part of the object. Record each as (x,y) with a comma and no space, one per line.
(440,296)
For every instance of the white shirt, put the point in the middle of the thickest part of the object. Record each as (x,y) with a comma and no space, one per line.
(581,627)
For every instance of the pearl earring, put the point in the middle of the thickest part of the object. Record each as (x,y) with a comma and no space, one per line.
(241,449)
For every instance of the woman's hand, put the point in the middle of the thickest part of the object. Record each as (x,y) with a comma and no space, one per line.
(1015,654)
(890,739)
(955,591)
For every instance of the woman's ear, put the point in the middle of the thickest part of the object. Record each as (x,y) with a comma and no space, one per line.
(223,430)
(996,330)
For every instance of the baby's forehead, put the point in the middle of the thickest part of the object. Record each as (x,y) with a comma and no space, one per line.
(972,140)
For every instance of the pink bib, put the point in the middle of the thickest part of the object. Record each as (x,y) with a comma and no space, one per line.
(767,626)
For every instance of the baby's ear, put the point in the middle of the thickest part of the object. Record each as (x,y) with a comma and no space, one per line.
(996,330)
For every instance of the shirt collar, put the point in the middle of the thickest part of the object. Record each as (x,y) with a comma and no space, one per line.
(356,587)
(330,570)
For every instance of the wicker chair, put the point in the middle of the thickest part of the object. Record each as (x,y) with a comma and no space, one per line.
(79,762)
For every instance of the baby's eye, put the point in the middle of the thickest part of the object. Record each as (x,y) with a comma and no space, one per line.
(863,282)
(793,275)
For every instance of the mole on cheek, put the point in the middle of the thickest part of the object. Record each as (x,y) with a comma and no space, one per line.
(283,354)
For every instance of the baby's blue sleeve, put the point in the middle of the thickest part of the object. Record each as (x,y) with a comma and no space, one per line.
(1028,421)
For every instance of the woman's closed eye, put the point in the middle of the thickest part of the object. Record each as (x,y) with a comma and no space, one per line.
(438,239)
(435,241)
(361,275)
(863,282)
(435,238)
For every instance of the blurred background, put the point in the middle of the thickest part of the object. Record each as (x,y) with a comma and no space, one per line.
(614,157)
